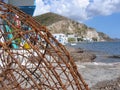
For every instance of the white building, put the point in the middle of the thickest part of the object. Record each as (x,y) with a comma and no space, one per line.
(87,39)
(61,38)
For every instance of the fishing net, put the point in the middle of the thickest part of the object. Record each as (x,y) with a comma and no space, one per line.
(31,58)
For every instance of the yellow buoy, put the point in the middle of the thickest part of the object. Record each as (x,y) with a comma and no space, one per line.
(26,45)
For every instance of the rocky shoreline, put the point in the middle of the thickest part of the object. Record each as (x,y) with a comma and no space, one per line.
(98,76)
(108,85)
(80,55)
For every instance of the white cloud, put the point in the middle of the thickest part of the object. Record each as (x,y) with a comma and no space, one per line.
(78,9)
(104,7)
(41,8)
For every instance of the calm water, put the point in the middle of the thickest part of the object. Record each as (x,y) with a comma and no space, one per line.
(104,48)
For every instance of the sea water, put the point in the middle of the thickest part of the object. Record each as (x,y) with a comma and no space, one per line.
(102,49)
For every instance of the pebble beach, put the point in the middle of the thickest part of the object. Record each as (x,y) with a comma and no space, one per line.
(98,75)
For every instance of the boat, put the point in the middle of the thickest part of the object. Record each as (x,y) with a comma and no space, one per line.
(72,44)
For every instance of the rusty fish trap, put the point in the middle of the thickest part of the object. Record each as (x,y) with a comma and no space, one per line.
(31,58)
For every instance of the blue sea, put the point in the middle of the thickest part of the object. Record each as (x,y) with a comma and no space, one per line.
(102,49)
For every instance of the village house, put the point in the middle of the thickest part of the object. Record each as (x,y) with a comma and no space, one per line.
(61,38)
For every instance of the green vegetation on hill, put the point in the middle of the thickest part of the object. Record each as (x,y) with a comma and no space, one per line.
(60,24)
(48,18)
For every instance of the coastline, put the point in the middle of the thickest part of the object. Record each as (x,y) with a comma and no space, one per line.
(98,75)
(80,55)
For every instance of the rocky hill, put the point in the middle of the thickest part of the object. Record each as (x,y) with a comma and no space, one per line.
(59,24)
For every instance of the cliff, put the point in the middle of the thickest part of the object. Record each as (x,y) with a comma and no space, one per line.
(59,24)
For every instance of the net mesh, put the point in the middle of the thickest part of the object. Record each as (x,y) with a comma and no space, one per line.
(31,58)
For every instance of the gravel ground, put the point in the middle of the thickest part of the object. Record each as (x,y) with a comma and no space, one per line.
(96,74)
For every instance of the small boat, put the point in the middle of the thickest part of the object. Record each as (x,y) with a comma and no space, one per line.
(72,44)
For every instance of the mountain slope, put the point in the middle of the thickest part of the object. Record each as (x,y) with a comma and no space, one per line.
(59,24)
(49,18)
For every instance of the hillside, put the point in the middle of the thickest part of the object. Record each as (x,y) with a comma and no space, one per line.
(105,37)
(59,24)
(49,18)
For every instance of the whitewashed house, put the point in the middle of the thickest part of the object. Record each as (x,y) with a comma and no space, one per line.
(87,39)
(61,38)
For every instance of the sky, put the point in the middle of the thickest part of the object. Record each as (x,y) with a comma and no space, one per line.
(103,15)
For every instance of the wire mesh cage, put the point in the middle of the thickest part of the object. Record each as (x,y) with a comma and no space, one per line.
(31,58)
